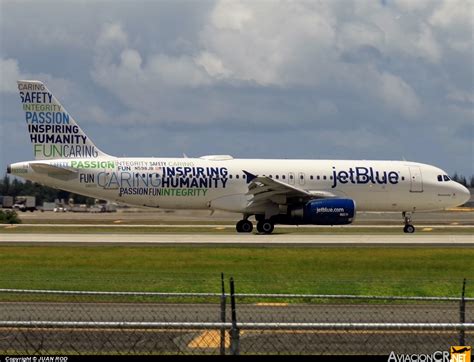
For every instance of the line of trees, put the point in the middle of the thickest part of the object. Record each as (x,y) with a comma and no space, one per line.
(10,186)
(463,180)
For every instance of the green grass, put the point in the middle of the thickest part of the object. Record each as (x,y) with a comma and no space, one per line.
(337,270)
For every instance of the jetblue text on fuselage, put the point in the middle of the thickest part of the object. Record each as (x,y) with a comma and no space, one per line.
(364,175)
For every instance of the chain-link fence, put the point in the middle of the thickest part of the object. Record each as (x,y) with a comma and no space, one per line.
(70,322)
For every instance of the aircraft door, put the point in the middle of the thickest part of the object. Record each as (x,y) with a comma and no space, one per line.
(416,179)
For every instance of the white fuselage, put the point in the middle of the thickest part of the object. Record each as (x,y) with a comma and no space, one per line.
(221,183)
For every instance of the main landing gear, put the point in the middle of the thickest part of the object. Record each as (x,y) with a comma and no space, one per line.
(244,226)
(264,226)
(408,228)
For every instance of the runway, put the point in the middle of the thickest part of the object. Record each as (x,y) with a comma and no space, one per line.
(287,239)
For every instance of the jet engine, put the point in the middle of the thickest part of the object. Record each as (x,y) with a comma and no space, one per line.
(324,212)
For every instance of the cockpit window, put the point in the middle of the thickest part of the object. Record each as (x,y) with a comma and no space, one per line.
(440,178)
(446,178)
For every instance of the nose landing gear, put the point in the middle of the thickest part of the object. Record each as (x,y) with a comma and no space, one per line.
(408,228)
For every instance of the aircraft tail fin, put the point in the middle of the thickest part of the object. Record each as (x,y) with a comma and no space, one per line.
(53,132)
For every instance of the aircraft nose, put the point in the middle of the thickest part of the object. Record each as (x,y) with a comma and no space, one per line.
(464,194)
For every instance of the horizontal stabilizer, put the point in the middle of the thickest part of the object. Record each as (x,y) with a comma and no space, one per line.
(51,169)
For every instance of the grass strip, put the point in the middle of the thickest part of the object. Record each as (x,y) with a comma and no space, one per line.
(337,270)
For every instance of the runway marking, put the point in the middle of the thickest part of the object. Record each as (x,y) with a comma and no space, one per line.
(210,339)
(271,304)
(461,209)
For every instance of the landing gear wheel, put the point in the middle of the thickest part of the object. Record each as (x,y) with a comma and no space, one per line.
(265,227)
(409,228)
(244,226)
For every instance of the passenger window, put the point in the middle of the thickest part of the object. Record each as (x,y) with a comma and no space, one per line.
(236,176)
(301,177)
(324,177)
(230,176)
(277,177)
(311,177)
(440,178)
(283,177)
(319,177)
(243,176)
(446,178)
(291,177)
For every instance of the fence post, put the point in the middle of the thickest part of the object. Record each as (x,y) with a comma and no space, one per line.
(223,305)
(234,332)
(462,313)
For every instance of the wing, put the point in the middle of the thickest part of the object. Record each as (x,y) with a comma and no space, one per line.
(264,189)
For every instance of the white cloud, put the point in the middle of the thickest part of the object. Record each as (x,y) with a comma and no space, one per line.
(131,60)
(213,65)
(112,34)
(260,67)
(453,13)
(398,95)
(458,95)
(285,44)
(427,45)
(412,5)
(231,15)
(453,20)
(9,74)
(266,41)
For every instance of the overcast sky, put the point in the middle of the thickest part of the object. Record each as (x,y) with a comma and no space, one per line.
(339,79)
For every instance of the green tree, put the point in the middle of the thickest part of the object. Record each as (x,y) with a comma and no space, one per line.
(16,187)
(5,186)
(9,217)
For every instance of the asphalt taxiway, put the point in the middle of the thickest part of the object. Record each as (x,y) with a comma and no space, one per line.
(92,338)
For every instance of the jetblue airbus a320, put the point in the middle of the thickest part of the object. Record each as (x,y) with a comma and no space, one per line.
(296,192)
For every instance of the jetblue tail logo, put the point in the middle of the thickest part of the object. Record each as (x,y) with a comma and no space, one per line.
(364,175)
(53,132)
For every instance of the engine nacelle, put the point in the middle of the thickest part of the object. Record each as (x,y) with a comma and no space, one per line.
(325,212)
